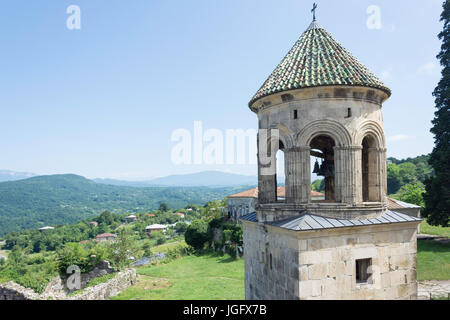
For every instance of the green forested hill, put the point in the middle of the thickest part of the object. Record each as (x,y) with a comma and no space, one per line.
(407,171)
(62,199)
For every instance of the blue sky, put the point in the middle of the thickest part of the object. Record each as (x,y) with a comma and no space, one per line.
(104,100)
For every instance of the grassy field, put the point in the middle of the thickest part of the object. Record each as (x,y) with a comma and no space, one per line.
(437,231)
(208,277)
(433,260)
(166,246)
(213,277)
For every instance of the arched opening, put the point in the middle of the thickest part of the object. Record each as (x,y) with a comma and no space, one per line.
(370,188)
(280,173)
(322,152)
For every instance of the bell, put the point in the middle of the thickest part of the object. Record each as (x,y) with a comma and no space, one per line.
(316,167)
(322,169)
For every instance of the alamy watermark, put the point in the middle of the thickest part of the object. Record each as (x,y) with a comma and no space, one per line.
(73,22)
(219,147)
(74,280)
(374,18)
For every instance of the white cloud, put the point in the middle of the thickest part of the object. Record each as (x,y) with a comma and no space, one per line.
(398,137)
(428,68)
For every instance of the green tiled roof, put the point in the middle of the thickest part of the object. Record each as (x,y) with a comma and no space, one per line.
(317,59)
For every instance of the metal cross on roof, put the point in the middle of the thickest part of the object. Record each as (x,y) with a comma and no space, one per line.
(314,11)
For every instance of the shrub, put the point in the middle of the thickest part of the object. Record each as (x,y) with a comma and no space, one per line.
(73,254)
(197,234)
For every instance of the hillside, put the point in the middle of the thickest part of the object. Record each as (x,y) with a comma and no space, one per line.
(204,178)
(61,199)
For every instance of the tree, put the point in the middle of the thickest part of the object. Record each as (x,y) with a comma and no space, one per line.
(106,217)
(411,193)
(318,185)
(163,207)
(73,254)
(181,227)
(437,196)
(197,234)
(122,250)
(147,247)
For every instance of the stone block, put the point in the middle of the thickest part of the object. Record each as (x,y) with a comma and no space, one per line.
(385,280)
(303,273)
(303,245)
(305,289)
(400,261)
(332,269)
(317,271)
(365,238)
(318,244)
(349,268)
(397,277)
(382,238)
(316,288)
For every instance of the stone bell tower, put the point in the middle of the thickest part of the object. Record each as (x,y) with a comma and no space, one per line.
(321,103)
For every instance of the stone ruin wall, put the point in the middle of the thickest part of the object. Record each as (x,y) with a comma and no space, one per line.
(56,290)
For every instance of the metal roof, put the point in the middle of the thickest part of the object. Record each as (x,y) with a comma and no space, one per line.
(397,204)
(308,222)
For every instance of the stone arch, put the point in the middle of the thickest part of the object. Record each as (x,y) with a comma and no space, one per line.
(370,128)
(268,182)
(329,127)
(285,135)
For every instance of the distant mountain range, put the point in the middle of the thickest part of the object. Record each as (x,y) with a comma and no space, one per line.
(200,179)
(62,199)
(8,175)
(203,179)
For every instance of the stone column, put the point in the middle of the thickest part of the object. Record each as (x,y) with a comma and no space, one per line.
(348,174)
(376,158)
(267,181)
(298,175)
(383,174)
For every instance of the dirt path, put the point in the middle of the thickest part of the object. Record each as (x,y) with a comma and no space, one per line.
(437,288)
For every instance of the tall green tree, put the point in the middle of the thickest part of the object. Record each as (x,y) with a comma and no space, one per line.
(123,250)
(437,196)
(163,207)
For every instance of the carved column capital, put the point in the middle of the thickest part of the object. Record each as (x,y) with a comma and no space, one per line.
(298,149)
(350,148)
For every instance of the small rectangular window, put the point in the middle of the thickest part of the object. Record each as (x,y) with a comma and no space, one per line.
(270,261)
(295,114)
(363,270)
(287,97)
(349,113)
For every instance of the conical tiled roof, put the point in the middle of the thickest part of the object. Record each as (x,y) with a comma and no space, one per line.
(317,59)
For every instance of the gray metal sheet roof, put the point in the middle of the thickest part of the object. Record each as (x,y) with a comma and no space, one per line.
(306,221)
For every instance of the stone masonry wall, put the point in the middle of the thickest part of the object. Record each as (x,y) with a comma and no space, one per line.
(283,264)
(102,291)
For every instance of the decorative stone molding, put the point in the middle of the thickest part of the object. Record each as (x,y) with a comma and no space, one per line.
(330,127)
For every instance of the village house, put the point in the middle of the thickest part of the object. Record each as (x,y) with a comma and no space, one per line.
(244,202)
(131,218)
(46,228)
(156,228)
(93,223)
(181,215)
(105,237)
